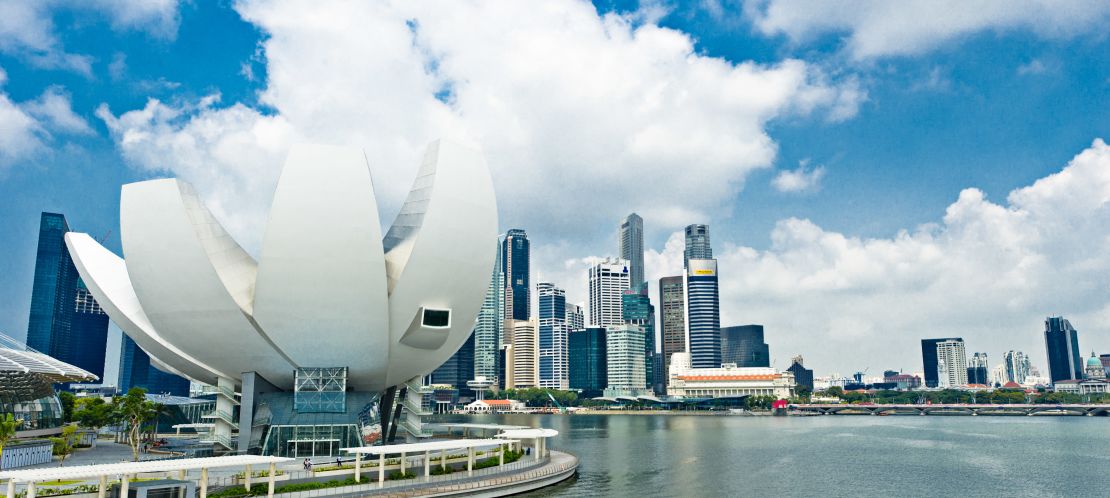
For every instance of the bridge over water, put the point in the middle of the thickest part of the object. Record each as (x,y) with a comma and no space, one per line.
(1090,410)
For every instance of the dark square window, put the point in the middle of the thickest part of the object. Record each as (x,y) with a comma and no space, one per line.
(437,318)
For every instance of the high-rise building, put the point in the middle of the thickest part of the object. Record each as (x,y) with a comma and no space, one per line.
(515,264)
(552,336)
(624,351)
(458,369)
(744,346)
(697,245)
(608,281)
(137,370)
(978,369)
(1062,344)
(588,361)
(1105,360)
(487,328)
(65,321)
(576,318)
(802,376)
(505,364)
(672,318)
(638,310)
(1015,367)
(525,353)
(631,242)
(703,313)
(929,360)
(951,363)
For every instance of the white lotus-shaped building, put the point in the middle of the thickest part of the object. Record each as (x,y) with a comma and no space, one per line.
(328,290)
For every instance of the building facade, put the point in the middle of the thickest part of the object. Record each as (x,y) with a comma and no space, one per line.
(951,363)
(978,370)
(457,370)
(743,345)
(136,370)
(576,317)
(1062,345)
(588,361)
(929,360)
(487,328)
(726,380)
(525,353)
(672,318)
(638,310)
(608,281)
(703,313)
(697,244)
(630,240)
(553,331)
(802,376)
(624,351)
(65,320)
(1015,367)
(516,265)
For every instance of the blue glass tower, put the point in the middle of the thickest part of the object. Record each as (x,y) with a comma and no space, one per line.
(744,346)
(552,336)
(1062,344)
(637,310)
(458,369)
(703,314)
(65,321)
(135,370)
(515,256)
(588,361)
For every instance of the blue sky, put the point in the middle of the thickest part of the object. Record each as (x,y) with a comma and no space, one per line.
(607,112)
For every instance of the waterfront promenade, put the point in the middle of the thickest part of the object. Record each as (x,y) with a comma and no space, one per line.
(1090,410)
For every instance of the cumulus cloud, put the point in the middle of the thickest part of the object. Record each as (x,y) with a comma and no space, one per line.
(876,28)
(802,179)
(54,109)
(568,105)
(26,128)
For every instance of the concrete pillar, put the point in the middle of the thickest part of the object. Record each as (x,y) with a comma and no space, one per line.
(270,484)
(101,492)
(501,452)
(427,467)
(443,458)
(247,478)
(31,490)
(402,462)
(358,467)
(203,483)
(469,462)
(181,474)
(11,489)
(381,470)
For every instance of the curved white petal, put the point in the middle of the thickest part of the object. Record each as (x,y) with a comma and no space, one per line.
(321,276)
(438,257)
(193,280)
(105,274)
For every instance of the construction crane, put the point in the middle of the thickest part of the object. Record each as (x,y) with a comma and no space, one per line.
(104,237)
(562,409)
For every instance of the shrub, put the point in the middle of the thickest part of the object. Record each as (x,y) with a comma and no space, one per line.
(439,471)
(398,475)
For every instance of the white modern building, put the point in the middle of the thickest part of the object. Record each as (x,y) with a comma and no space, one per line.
(576,318)
(1016,366)
(951,363)
(608,281)
(728,380)
(624,349)
(525,352)
(332,317)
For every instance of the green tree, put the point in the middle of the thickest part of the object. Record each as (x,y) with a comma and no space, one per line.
(68,400)
(63,445)
(835,391)
(133,409)
(93,413)
(8,426)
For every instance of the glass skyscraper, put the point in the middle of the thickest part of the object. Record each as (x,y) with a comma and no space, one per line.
(1062,344)
(136,370)
(552,335)
(588,361)
(672,319)
(744,346)
(458,369)
(697,244)
(638,310)
(703,314)
(515,264)
(65,321)
(491,318)
(631,242)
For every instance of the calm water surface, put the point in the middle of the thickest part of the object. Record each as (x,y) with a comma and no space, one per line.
(641,456)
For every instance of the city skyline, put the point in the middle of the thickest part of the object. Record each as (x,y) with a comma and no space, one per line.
(864,192)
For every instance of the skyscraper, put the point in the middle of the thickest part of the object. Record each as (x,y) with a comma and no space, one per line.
(744,346)
(697,244)
(931,355)
(978,369)
(608,281)
(515,264)
(552,336)
(631,242)
(672,318)
(458,369)
(638,310)
(624,351)
(802,376)
(65,321)
(137,370)
(487,328)
(525,353)
(588,361)
(576,318)
(1062,344)
(1015,367)
(703,313)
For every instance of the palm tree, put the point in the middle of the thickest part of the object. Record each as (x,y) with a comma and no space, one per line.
(8,427)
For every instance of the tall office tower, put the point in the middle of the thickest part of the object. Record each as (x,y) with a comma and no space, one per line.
(137,370)
(802,376)
(576,318)
(1062,344)
(744,346)
(505,364)
(703,313)
(624,351)
(978,369)
(552,336)
(608,281)
(951,363)
(458,369)
(487,328)
(672,319)
(637,310)
(1015,367)
(929,359)
(515,264)
(525,353)
(65,321)
(697,244)
(588,362)
(631,242)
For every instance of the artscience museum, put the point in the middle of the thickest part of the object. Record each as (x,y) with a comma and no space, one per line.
(321,342)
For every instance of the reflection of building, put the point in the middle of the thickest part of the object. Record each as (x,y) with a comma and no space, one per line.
(552,336)
(624,351)
(631,247)
(136,370)
(802,375)
(26,387)
(703,313)
(1062,344)
(66,322)
(588,362)
(672,318)
(608,281)
(727,380)
(744,346)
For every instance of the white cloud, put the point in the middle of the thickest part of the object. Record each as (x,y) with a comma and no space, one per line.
(19,133)
(802,179)
(876,28)
(25,128)
(54,110)
(569,107)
